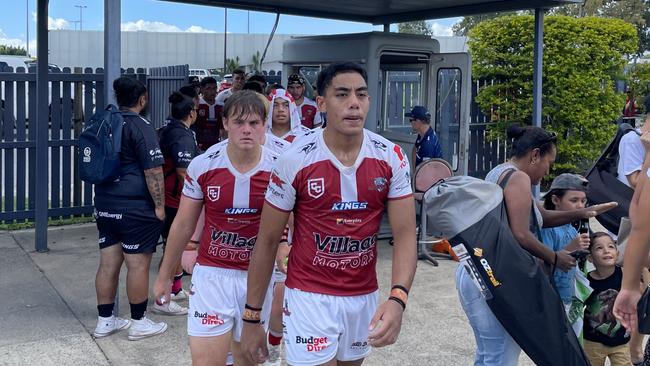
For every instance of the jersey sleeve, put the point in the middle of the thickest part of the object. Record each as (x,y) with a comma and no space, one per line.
(146,146)
(400,182)
(182,150)
(281,193)
(192,187)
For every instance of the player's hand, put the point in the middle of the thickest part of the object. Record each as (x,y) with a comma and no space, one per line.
(625,308)
(580,242)
(162,289)
(386,324)
(596,210)
(160,213)
(564,260)
(253,343)
(281,256)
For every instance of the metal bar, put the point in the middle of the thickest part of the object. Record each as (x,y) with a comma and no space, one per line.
(538,55)
(42,130)
(88,111)
(31,153)
(52,212)
(10,76)
(8,119)
(112,47)
(55,151)
(21,162)
(66,126)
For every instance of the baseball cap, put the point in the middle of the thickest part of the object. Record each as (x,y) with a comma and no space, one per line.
(568,181)
(419,112)
(295,79)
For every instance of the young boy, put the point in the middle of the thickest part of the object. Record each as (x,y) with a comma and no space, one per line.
(604,337)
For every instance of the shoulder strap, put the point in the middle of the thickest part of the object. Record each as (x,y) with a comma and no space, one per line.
(506,177)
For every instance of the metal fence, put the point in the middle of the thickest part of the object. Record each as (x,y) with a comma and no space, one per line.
(75,95)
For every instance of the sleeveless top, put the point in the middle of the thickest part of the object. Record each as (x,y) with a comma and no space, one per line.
(536,220)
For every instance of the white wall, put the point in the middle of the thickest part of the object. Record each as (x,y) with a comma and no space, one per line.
(70,48)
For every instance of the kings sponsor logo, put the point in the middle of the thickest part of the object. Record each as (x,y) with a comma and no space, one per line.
(349,206)
(240,211)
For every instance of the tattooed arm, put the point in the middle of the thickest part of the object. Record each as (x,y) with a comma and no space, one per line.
(156,184)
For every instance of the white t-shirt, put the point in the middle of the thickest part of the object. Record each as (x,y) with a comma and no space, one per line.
(631,152)
(223,96)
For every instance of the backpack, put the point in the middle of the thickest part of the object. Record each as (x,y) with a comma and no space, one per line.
(100,145)
(604,185)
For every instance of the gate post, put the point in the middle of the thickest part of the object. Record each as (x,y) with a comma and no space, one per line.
(42,128)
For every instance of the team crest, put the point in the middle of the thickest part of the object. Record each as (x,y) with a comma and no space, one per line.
(214,192)
(315,187)
(380,183)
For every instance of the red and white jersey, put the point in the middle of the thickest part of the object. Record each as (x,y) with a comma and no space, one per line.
(297,129)
(223,96)
(309,115)
(337,210)
(233,203)
(207,110)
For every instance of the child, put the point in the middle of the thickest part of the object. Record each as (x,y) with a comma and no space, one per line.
(568,192)
(604,337)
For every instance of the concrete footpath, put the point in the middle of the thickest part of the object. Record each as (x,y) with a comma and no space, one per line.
(48,310)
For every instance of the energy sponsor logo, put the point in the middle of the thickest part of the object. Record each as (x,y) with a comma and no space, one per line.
(130,246)
(359,345)
(209,319)
(342,221)
(240,211)
(489,272)
(349,206)
(313,344)
(108,215)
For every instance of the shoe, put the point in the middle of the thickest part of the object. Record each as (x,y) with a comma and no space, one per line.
(145,328)
(181,295)
(274,356)
(110,325)
(171,308)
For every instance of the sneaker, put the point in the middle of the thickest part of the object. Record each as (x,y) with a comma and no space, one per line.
(145,328)
(171,308)
(181,295)
(274,356)
(110,325)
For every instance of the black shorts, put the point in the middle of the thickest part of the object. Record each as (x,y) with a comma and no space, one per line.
(170,214)
(137,228)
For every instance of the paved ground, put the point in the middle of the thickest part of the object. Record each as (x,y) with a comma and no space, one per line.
(48,311)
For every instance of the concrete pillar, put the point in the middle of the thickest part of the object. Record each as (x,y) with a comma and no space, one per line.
(112,47)
(42,128)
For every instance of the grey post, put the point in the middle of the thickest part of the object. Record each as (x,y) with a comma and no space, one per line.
(538,61)
(42,130)
(112,68)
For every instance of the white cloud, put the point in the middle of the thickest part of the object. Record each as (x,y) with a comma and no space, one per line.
(54,23)
(441,29)
(17,42)
(148,26)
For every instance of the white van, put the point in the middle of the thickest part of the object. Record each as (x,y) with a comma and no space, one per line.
(201,73)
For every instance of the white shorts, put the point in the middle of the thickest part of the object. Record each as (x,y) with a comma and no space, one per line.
(277,275)
(217,300)
(319,328)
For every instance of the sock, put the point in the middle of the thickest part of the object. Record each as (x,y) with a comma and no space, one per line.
(105,310)
(177,285)
(275,338)
(138,310)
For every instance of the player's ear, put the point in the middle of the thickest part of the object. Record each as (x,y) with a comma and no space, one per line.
(320,102)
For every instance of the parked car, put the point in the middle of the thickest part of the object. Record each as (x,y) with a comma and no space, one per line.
(201,73)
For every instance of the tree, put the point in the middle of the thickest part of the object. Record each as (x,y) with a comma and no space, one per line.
(257,62)
(416,27)
(639,81)
(11,50)
(463,27)
(232,64)
(582,58)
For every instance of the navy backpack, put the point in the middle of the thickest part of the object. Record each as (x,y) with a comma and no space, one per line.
(100,144)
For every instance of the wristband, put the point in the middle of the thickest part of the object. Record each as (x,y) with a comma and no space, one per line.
(399,294)
(252,308)
(251,316)
(399,301)
(194,241)
(251,321)
(401,288)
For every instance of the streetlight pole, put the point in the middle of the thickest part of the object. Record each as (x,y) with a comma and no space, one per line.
(81,13)
(27,25)
(225,38)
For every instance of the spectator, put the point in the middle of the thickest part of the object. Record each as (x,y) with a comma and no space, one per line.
(259,79)
(229,180)
(567,192)
(604,337)
(631,107)
(254,86)
(307,108)
(130,212)
(238,80)
(533,153)
(208,124)
(179,147)
(283,120)
(631,152)
(427,145)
